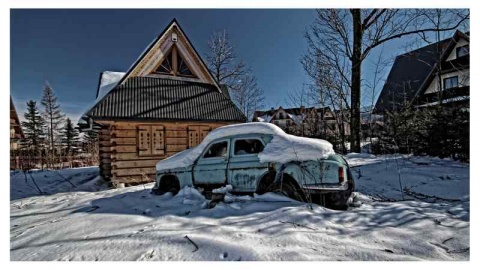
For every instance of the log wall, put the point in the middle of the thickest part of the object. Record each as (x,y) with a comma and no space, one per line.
(123,162)
(105,153)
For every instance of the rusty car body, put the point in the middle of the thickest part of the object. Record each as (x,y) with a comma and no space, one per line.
(233,160)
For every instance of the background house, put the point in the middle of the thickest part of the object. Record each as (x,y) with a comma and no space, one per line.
(309,122)
(427,112)
(165,103)
(428,75)
(16,135)
(16,132)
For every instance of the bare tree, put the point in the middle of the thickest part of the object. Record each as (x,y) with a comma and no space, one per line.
(223,61)
(228,70)
(247,95)
(91,147)
(349,36)
(331,86)
(373,88)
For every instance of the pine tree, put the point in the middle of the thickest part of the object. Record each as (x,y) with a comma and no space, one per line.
(69,137)
(33,129)
(53,117)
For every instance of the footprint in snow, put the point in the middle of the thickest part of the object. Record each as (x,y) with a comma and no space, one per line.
(223,255)
(147,256)
(137,232)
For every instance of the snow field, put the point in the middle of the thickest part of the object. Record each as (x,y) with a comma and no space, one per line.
(132,224)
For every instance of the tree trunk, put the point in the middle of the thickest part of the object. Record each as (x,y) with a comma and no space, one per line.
(356,82)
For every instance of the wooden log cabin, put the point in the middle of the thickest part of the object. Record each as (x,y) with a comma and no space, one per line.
(16,132)
(166,102)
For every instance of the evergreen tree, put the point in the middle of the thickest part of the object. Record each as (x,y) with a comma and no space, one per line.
(52,114)
(33,128)
(69,137)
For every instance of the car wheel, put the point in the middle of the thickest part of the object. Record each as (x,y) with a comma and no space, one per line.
(289,189)
(169,184)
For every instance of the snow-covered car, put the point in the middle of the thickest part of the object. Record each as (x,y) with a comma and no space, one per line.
(259,158)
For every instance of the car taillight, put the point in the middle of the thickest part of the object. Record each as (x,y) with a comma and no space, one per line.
(341,177)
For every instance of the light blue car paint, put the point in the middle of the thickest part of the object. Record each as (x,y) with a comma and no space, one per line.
(244,172)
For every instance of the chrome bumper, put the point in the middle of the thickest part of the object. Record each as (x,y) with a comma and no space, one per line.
(325,188)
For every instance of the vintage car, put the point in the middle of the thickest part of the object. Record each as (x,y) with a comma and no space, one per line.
(259,158)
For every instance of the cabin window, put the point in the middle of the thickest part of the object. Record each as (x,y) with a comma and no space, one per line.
(450,82)
(150,140)
(217,150)
(196,134)
(174,64)
(248,146)
(167,64)
(463,50)
(183,69)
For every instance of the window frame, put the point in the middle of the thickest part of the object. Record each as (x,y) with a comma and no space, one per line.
(176,55)
(202,157)
(150,129)
(450,78)
(246,138)
(460,48)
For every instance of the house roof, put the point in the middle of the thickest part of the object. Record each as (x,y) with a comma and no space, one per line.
(411,72)
(144,55)
(137,94)
(293,113)
(149,98)
(13,115)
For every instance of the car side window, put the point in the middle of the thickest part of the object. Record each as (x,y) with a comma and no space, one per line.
(248,146)
(217,150)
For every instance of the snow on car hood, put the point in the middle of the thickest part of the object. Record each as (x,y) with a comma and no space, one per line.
(282,149)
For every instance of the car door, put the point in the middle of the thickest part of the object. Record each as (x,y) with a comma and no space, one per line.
(244,168)
(211,166)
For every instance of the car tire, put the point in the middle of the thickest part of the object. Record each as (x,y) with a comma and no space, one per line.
(288,188)
(169,184)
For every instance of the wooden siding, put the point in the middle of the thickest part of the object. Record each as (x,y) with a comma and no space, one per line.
(105,152)
(121,159)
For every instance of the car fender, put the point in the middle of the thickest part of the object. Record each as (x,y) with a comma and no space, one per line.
(184,178)
(293,169)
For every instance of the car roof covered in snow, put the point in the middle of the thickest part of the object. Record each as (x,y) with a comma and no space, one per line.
(283,148)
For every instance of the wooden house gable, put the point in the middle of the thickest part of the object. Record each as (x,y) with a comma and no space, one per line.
(173,56)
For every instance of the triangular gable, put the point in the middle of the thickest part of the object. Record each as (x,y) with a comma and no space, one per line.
(157,59)
(458,35)
(16,123)
(462,40)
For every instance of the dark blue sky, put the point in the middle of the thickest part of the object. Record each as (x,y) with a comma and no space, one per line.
(70,48)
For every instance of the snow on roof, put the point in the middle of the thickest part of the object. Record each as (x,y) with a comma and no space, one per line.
(448,100)
(108,81)
(297,118)
(266,118)
(282,149)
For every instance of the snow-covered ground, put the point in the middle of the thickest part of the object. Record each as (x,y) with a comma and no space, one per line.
(430,221)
